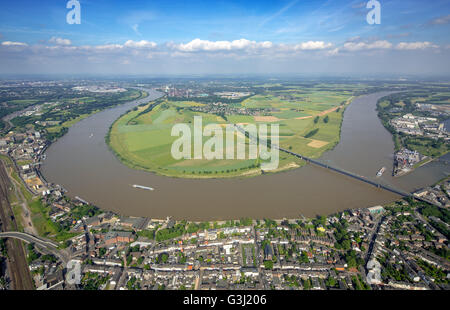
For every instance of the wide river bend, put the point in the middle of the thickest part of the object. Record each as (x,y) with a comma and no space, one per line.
(82,163)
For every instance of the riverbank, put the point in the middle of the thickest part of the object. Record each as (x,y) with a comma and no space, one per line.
(87,168)
(425,143)
(30,215)
(300,190)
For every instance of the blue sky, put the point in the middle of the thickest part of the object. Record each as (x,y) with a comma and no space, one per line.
(197,37)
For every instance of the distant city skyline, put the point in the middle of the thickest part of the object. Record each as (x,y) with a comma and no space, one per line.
(225,37)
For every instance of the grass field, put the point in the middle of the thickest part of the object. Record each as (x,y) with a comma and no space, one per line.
(69,123)
(143,140)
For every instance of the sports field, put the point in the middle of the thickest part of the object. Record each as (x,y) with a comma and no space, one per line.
(309,124)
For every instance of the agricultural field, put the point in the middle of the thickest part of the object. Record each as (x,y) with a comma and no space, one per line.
(309,122)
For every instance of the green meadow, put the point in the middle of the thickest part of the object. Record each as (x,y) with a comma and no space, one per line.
(142,139)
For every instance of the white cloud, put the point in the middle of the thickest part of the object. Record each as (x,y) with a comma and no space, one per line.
(313,45)
(333,52)
(202,51)
(108,47)
(354,39)
(415,45)
(60,41)
(357,46)
(140,44)
(130,44)
(238,56)
(135,28)
(359,5)
(205,45)
(278,13)
(443,20)
(10,43)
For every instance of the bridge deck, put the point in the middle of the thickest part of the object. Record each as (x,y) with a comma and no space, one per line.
(341,171)
(349,174)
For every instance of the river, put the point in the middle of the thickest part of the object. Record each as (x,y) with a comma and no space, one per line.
(82,163)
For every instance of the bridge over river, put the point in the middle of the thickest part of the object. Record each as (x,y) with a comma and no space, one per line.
(357,177)
(339,170)
(347,173)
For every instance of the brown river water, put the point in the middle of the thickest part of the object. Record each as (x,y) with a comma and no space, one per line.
(83,164)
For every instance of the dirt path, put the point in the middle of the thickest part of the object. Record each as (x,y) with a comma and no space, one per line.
(329,110)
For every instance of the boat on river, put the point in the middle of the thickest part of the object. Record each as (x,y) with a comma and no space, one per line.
(143,187)
(381,171)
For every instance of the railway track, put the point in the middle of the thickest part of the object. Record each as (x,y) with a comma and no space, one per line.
(17,264)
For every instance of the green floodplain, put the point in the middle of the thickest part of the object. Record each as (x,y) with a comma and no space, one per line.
(309,121)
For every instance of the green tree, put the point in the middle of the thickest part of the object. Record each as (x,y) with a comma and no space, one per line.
(268,264)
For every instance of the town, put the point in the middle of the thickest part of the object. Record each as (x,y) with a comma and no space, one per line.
(403,245)
(400,245)
(420,126)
